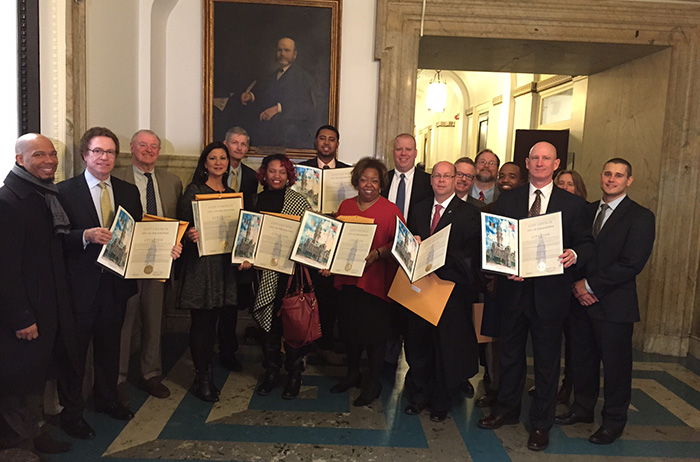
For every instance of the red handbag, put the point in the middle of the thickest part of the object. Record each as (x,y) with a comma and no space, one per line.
(301,323)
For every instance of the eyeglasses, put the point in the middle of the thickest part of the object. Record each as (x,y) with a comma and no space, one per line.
(99,152)
(469,176)
(490,163)
(446,176)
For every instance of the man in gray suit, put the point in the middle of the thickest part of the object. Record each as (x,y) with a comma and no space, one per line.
(160,191)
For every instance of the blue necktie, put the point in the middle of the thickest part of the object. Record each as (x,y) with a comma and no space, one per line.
(151,207)
(401,194)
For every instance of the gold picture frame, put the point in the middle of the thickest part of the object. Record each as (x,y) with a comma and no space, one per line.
(291,87)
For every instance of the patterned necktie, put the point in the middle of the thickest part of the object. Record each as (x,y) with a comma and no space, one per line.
(599,219)
(481,196)
(536,205)
(401,194)
(234,180)
(436,218)
(105,206)
(151,206)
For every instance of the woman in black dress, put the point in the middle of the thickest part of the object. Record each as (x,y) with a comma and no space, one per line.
(208,286)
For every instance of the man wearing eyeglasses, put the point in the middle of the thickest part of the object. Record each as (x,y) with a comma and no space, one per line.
(466,173)
(484,188)
(443,357)
(91,200)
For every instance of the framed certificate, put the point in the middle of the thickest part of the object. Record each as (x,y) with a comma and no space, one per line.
(419,260)
(324,189)
(216,219)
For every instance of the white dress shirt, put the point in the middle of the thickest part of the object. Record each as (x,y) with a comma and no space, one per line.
(394,187)
(544,198)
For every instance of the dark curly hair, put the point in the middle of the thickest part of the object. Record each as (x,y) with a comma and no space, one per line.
(200,173)
(288,166)
(365,163)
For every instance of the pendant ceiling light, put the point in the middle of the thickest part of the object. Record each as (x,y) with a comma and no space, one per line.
(436,97)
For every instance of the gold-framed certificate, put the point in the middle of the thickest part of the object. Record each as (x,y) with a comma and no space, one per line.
(140,250)
(216,219)
(529,247)
(324,189)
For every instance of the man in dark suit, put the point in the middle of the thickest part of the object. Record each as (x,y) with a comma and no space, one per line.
(466,172)
(602,326)
(445,356)
(326,142)
(35,305)
(537,305)
(407,185)
(285,101)
(91,200)
(159,191)
(241,178)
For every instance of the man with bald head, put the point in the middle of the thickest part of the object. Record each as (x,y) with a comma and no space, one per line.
(284,102)
(443,357)
(35,302)
(537,306)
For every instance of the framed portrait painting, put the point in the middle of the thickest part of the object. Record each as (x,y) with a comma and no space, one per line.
(271,67)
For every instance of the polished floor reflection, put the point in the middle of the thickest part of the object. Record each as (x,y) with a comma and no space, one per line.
(664,421)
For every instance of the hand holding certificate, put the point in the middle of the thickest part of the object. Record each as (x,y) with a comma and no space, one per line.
(419,260)
(526,248)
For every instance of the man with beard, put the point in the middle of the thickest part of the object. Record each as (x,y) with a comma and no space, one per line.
(484,188)
(35,309)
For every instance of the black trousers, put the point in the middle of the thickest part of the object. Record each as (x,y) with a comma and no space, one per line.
(327,297)
(516,323)
(594,341)
(203,334)
(103,326)
(21,415)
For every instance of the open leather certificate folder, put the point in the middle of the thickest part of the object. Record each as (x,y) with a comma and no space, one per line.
(265,240)
(216,219)
(419,260)
(324,189)
(529,247)
(141,250)
(340,245)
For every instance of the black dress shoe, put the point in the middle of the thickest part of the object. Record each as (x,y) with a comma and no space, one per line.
(272,379)
(78,429)
(493,421)
(49,445)
(538,441)
(438,414)
(232,364)
(414,409)
(292,387)
(368,394)
(468,389)
(487,399)
(604,436)
(116,411)
(572,418)
(347,383)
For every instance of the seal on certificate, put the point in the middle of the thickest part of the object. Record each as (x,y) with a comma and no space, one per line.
(148,269)
(541,266)
(348,266)
(273,262)
(428,266)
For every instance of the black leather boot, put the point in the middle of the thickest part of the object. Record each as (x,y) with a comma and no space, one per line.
(270,381)
(202,387)
(291,388)
(212,387)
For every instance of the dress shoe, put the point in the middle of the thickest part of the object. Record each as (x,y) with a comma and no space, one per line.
(122,396)
(271,380)
(232,364)
(564,394)
(604,436)
(155,388)
(78,429)
(468,389)
(347,383)
(572,418)
(292,387)
(531,391)
(538,441)
(116,411)
(487,399)
(368,394)
(438,414)
(493,421)
(49,445)
(414,409)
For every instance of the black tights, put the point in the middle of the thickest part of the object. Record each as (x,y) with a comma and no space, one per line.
(203,335)
(375,360)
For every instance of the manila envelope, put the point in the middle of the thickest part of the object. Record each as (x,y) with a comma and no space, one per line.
(477,316)
(426,297)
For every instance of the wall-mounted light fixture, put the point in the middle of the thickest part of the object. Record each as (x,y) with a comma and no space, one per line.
(436,97)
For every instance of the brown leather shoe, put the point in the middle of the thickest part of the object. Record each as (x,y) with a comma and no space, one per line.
(538,441)
(493,421)
(155,388)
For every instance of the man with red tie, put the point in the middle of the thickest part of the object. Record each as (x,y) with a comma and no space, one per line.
(443,357)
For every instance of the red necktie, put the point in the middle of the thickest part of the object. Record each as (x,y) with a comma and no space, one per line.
(481,196)
(436,218)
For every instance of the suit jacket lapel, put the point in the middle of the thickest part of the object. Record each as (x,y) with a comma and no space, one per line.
(446,217)
(616,216)
(85,196)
